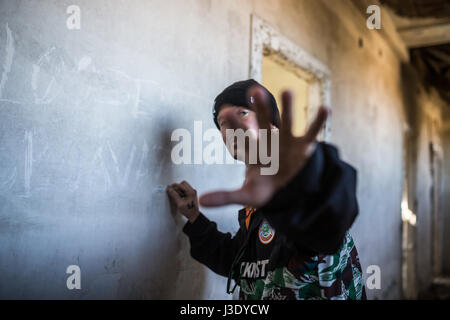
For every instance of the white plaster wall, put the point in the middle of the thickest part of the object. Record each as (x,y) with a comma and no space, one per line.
(85,123)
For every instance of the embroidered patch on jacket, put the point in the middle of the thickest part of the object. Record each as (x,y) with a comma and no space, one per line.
(266,232)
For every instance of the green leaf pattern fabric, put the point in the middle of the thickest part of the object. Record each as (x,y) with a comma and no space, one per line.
(334,277)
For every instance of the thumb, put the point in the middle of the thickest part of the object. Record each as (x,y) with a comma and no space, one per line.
(221,198)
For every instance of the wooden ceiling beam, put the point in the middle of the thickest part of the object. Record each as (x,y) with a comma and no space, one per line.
(424,36)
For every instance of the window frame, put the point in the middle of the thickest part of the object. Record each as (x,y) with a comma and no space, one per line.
(266,40)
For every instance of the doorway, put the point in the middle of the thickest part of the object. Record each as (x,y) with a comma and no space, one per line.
(435,194)
(409,220)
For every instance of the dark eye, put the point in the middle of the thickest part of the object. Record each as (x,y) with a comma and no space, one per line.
(244,112)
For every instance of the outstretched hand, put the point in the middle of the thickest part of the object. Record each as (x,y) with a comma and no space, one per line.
(294,152)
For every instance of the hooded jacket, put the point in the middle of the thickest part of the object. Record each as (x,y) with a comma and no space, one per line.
(297,246)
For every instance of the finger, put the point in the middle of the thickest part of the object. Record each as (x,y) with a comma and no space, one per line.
(174,195)
(183,187)
(187,187)
(177,187)
(261,103)
(286,116)
(317,124)
(221,198)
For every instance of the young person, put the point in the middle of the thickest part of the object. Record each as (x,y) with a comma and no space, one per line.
(293,241)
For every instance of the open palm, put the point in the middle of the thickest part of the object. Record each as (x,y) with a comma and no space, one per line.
(294,152)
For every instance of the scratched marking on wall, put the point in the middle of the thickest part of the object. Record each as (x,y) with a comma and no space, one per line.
(28,162)
(9,57)
(57,81)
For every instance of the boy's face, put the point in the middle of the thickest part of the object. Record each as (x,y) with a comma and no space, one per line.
(237,117)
